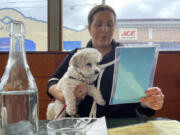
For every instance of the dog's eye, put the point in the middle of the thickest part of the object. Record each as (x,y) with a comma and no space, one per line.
(89,64)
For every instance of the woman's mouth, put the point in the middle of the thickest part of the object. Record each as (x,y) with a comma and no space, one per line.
(103,37)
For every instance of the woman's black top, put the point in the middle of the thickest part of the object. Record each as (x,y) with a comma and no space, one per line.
(110,111)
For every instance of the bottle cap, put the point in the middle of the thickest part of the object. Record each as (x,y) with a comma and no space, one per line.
(16,28)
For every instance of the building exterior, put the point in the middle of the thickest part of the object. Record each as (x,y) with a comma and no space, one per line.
(36,31)
(163,32)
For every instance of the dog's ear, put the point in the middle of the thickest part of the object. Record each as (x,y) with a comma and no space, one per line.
(74,60)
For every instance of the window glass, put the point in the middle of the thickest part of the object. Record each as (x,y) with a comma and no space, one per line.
(33,13)
(138,22)
(148,22)
(75,33)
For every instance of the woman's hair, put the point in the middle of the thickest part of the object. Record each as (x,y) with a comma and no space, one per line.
(98,8)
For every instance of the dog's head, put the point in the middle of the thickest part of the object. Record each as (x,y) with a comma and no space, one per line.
(87,62)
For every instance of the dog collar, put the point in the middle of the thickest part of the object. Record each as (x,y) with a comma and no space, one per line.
(70,77)
(77,69)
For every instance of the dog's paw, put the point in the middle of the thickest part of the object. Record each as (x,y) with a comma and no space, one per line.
(71,111)
(101,102)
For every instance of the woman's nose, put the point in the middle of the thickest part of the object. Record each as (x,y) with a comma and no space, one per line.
(105,28)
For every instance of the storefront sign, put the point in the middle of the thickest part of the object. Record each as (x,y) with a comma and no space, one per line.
(128,34)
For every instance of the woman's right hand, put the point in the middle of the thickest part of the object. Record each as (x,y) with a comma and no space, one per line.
(81,91)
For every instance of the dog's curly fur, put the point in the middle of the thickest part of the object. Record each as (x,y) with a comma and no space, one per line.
(83,66)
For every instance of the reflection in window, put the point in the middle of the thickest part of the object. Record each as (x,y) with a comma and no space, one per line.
(33,13)
(138,21)
(75,14)
(156,22)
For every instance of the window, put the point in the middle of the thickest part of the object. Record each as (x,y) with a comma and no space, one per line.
(75,33)
(148,22)
(138,22)
(33,13)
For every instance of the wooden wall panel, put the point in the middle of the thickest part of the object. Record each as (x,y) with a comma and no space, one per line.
(170,110)
(43,62)
(167,77)
(168,64)
(41,83)
(3,62)
(170,87)
(42,108)
(60,58)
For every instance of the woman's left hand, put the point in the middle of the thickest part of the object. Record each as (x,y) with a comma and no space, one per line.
(154,98)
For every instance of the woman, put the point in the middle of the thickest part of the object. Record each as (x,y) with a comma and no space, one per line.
(101,26)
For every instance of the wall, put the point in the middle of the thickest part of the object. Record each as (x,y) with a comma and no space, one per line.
(42,66)
(167,77)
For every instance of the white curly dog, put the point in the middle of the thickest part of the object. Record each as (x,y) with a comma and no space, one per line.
(83,66)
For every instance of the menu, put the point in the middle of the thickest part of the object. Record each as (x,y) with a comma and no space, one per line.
(133,73)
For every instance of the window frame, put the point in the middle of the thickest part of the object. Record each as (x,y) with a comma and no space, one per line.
(54,35)
(57,47)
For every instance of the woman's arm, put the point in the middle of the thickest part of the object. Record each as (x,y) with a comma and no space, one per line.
(79,92)
(57,94)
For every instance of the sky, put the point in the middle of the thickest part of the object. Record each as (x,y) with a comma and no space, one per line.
(75,11)
(125,9)
(36,9)
(146,8)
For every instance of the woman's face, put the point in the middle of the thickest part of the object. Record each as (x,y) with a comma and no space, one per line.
(102,29)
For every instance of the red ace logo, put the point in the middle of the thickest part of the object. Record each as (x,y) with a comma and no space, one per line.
(128,34)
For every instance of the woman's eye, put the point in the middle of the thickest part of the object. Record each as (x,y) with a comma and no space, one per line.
(89,64)
(99,25)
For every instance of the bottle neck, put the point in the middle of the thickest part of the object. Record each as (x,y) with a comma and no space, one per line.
(17,51)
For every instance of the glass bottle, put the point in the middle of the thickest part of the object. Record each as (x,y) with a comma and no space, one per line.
(18,90)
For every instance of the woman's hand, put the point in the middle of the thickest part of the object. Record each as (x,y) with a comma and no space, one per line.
(154,98)
(81,91)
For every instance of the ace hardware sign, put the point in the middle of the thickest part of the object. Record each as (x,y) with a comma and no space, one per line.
(128,34)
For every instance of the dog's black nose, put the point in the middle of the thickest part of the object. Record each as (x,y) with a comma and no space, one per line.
(96,72)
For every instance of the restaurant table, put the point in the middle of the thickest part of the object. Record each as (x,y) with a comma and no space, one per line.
(111,123)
